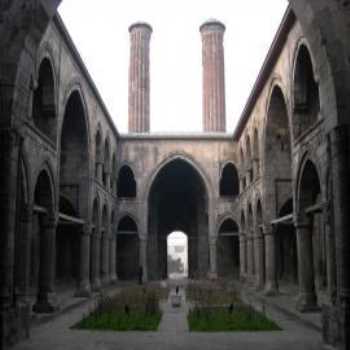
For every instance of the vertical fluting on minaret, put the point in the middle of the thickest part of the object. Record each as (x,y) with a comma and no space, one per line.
(214,109)
(139,78)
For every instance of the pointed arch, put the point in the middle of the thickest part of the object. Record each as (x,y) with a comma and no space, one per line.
(229,180)
(305,92)
(128,259)
(187,159)
(74,152)
(126,184)
(277,165)
(44,101)
(106,161)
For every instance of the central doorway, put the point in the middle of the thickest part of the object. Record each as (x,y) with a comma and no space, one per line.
(177,255)
(178,201)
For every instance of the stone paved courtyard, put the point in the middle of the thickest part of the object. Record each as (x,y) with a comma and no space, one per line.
(172,334)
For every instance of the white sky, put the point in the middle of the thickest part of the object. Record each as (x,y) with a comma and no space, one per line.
(100,32)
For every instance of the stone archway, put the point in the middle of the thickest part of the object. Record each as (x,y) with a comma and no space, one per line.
(228,264)
(309,231)
(73,189)
(44,102)
(128,249)
(178,201)
(229,181)
(44,232)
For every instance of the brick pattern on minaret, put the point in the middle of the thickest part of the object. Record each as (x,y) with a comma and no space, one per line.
(214,109)
(139,78)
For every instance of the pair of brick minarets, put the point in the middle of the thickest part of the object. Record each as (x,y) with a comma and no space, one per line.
(214,114)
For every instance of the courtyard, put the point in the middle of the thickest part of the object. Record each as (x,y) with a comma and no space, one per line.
(173,333)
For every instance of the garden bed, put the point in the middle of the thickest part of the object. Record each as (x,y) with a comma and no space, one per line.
(133,309)
(223,319)
(219,308)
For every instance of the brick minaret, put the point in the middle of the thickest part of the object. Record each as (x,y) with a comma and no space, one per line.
(214,110)
(139,78)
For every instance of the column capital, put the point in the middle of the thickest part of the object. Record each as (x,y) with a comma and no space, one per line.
(87,229)
(26,213)
(301,220)
(268,230)
(143,237)
(213,240)
(50,221)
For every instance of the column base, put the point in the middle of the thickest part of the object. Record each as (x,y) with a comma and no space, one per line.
(83,291)
(271,290)
(212,275)
(105,281)
(113,279)
(96,285)
(259,286)
(46,305)
(307,303)
(242,278)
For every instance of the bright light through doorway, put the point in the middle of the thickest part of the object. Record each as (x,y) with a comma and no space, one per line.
(177,243)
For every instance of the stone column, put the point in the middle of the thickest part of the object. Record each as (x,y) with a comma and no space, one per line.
(259,259)
(84,287)
(23,252)
(339,142)
(213,257)
(105,258)
(99,170)
(214,109)
(95,264)
(271,286)
(250,258)
(331,257)
(10,145)
(242,257)
(112,258)
(241,184)
(108,180)
(45,302)
(307,300)
(256,167)
(143,257)
(139,78)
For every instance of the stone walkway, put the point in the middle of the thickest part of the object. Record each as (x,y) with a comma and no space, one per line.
(173,334)
(174,319)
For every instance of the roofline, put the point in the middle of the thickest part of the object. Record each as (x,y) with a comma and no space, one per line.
(200,136)
(265,71)
(76,55)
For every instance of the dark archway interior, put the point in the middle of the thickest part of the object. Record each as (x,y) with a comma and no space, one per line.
(228,250)
(229,181)
(67,246)
(178,202)
(250,245)
(44,110)
(106,163)
(261,246)
(286,247)
(74,172)
(43,199)
(278,164)
(245,247)
(311,205)
(74,162)
(127,249)
(126,186)
(306,93)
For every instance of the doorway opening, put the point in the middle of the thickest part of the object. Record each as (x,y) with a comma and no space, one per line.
(177,255)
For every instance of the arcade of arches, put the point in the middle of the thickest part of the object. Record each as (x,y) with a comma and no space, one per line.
(266,204)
